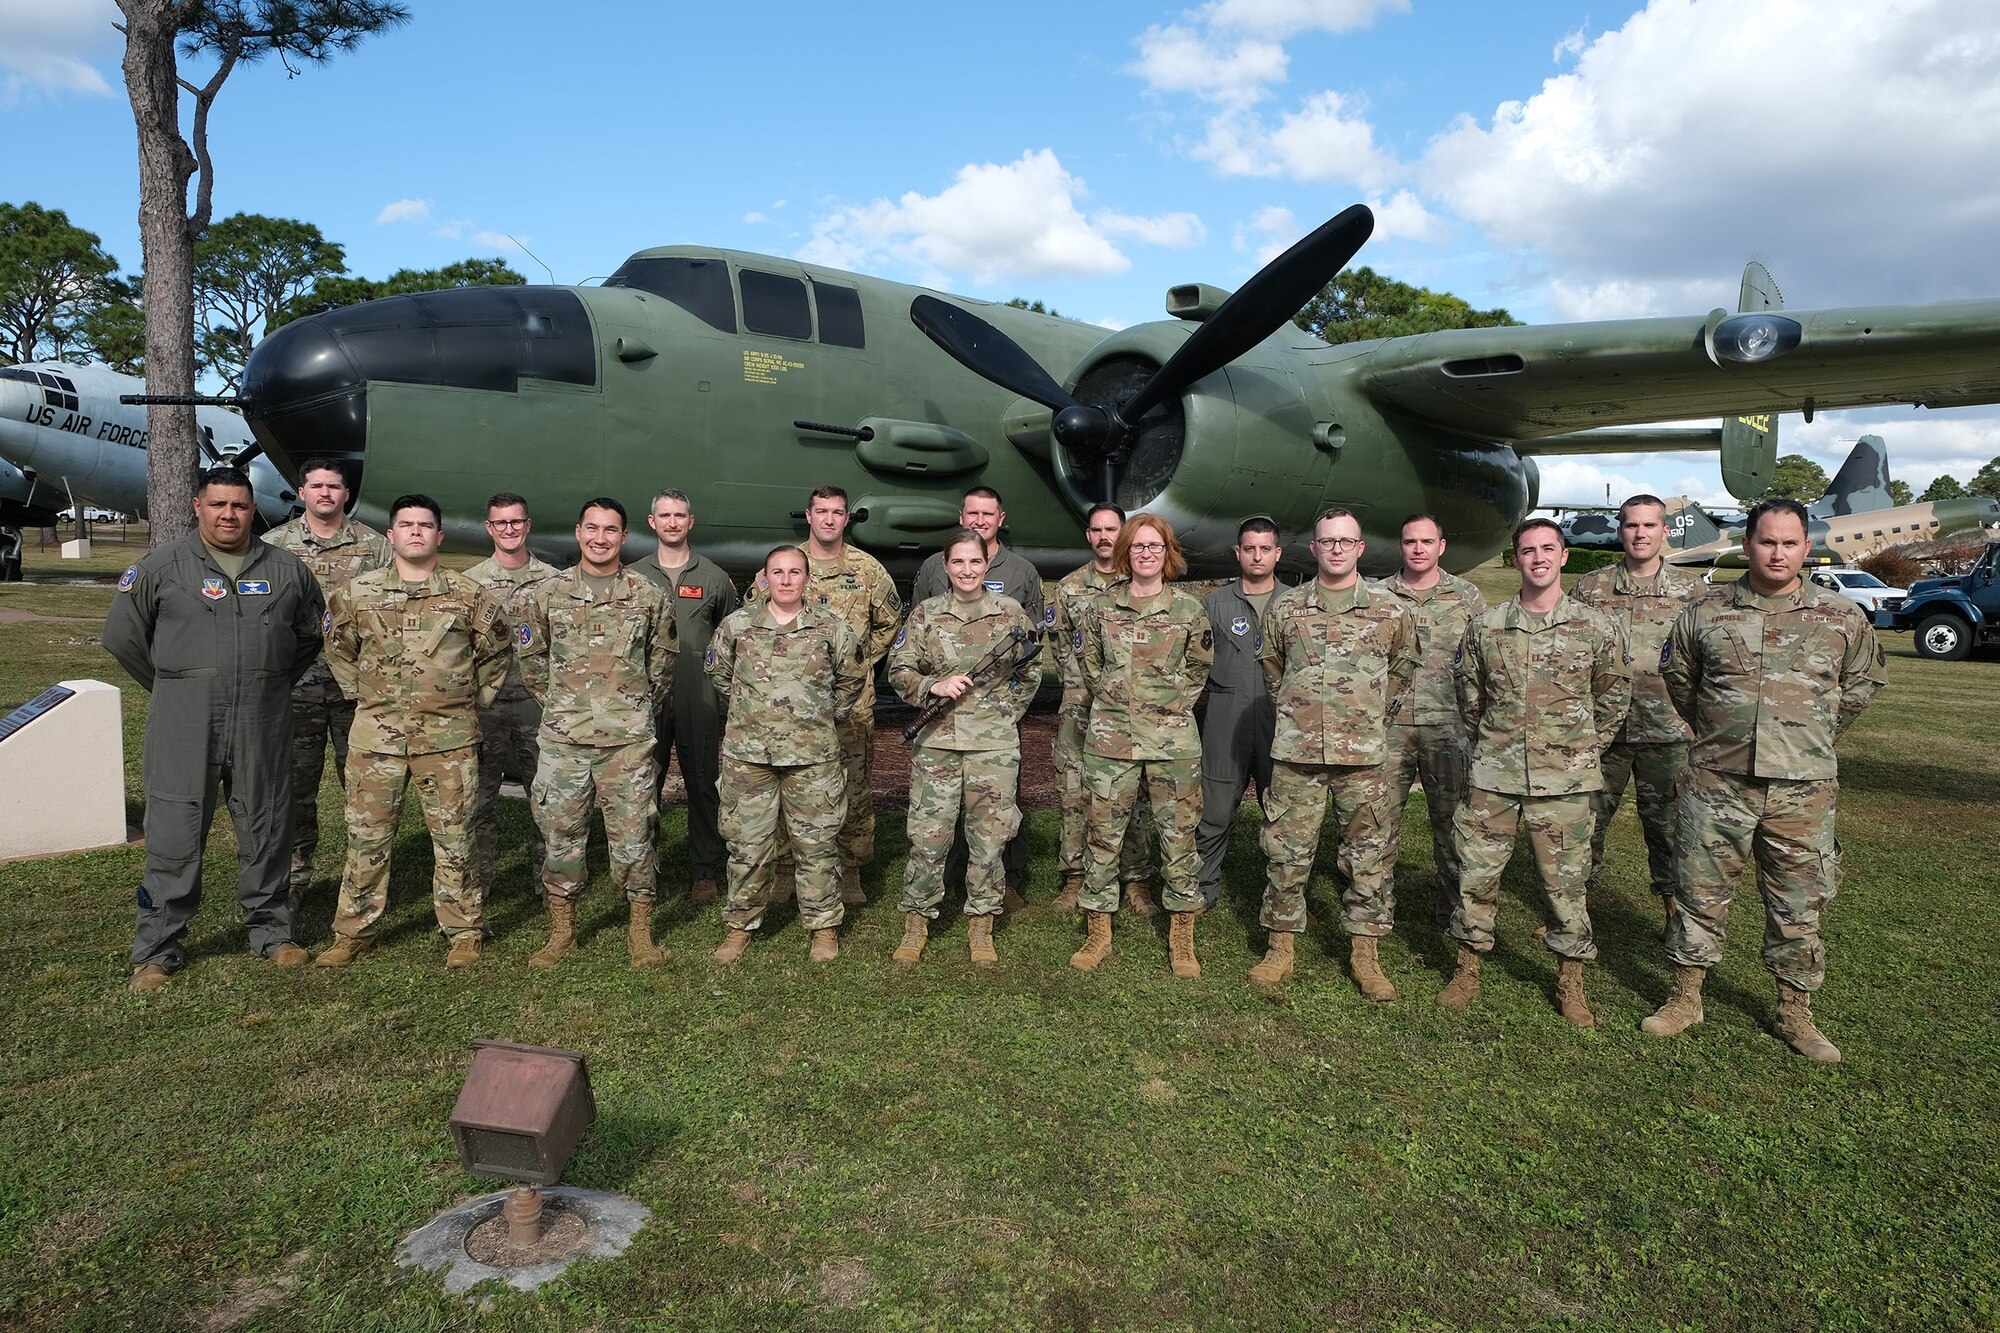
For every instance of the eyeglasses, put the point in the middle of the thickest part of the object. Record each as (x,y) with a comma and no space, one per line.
(507,524)
(1147,548)
(1337,543)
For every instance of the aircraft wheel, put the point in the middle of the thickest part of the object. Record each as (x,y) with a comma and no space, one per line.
(1943,638)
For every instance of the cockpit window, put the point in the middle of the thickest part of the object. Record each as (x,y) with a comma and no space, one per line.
(775,304)
(839,316)
(698,286)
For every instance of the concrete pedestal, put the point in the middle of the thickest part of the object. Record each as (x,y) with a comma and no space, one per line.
(62,776)
(76,550)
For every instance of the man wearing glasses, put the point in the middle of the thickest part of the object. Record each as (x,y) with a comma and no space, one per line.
(1338,658)
(507,726)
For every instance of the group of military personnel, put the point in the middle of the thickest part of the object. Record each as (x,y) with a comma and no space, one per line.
(1721,705)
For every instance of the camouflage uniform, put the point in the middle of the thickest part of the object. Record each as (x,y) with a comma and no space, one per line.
(1063,615)
(319,712)
(700,595)
(418,660)
(1542,697)
(1338,664)
(788,688)
(1427,737)
(508,726)
(1767,684)
(1009,574)
(1236,728)
(968,760)
(1652,745)
(1144,662)
(602,666)
(860,592)
(218,652)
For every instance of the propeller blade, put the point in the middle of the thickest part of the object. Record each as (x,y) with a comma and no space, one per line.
(1258,308)
(987,352)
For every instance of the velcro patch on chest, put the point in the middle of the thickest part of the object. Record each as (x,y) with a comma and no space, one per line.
(214,589)
(253,587)
(689,591)
(1240,626)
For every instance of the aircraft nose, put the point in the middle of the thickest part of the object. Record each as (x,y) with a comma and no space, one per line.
(304,398)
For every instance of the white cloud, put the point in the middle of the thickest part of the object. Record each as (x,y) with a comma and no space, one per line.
(1328,139)
(1856,142)
(1174,59)
(1403,217)
(754,218)
(452,228)
(405,210)
(497,240)
(1268,233)
(1286,18)
(55,49)
(994,222)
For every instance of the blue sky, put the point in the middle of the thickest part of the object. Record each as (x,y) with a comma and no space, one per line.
(1564,160)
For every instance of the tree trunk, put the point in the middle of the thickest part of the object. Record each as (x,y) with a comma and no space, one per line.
(165,166)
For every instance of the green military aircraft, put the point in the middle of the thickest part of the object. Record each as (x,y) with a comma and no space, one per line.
(1696,539)
(745,380)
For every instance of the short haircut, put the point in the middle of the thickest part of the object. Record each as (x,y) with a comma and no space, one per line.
(1101,507)
(1529,524)
(1431,519)
(986,492)
(1332,511)
(669,493)
(603,502)
(505,500)
(322,463)
(789,548)
(1777,504)
(416,500)
(1257,523)
(828,493)
(226,475)
(1642,499)
(1121,554)
(959,536)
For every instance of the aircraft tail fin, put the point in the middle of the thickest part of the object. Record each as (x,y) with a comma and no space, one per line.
(1750,444)
(1861,484)
(1688,525)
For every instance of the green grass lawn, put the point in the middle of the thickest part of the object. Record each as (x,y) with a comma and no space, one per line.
(859,1147)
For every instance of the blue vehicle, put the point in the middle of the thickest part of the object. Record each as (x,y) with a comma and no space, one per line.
(1951,616)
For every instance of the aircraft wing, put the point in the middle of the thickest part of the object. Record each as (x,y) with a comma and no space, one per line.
(1530,382)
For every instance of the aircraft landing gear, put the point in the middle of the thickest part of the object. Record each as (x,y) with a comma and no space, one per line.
(11,546)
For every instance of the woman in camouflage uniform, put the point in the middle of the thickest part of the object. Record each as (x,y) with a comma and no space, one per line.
(1145,647)
(970,757)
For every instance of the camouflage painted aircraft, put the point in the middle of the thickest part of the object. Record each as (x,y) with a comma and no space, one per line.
(746,379)
(1696,539)
(1861,485)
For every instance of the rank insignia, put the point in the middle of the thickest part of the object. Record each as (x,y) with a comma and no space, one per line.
(1240,626)
(214,589)
(128,578)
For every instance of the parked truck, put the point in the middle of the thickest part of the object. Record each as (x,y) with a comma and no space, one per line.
(1950,616)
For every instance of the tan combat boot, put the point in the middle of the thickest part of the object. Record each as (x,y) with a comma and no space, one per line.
(979,938)
(1683,1007)
(1365,962)
(1066,900)
(639,935)
(1096,942)
(1569,994)
(1277,964)
(825,945)
(1795,1026)
(1180,945)
(703,891)
(916,933)
(343,951)
(464,951)
(1463,988)
(850,886)
(562,933)
(288,954)
(733,945)
(1138,900)
(150,976)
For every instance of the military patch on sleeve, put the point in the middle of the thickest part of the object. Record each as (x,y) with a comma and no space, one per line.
(1077,637)
(708,658)
(1049,614)
(128,578)
(524,636)
(1208,638)
(901,635)
(1459,656)
(326,622)
(1666,653)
